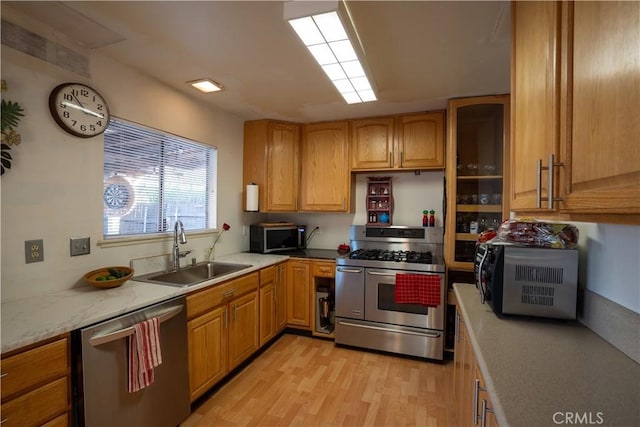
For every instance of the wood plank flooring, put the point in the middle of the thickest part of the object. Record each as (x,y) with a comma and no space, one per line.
(302,381)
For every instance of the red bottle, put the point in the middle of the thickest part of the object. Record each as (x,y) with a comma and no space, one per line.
(425,219)
(432,218)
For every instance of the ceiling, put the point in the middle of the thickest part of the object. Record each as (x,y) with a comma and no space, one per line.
(420,53)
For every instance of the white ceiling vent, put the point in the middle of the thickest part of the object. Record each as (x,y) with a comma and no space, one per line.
(84,30)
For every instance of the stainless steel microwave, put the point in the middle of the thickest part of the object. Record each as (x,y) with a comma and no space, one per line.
(528,281)
(267,237)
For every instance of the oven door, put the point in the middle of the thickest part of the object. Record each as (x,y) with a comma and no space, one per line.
(380,305)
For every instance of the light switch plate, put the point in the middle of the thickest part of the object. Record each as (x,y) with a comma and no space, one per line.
(80,246)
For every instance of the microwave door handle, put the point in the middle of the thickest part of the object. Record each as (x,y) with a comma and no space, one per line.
(479,278)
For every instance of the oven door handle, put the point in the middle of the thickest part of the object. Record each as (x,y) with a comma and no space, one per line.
(429,334)
(349,270)
(379,273)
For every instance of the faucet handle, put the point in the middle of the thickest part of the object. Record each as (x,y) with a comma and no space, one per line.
(183,254)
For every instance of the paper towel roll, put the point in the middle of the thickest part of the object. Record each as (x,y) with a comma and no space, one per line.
(252,197)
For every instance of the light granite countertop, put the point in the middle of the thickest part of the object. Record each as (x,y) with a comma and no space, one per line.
(542,372)
(29,320)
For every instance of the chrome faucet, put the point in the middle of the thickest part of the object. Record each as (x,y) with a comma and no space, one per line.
(183,239)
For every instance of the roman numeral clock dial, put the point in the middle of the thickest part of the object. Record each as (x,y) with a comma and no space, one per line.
(79,109)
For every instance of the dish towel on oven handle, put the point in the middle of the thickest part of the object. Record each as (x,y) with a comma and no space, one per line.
(144,354)
(418,289)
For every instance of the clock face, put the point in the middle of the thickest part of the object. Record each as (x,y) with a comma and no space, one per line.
(79,109)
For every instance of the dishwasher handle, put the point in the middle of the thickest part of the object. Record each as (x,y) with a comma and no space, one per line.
(121,333)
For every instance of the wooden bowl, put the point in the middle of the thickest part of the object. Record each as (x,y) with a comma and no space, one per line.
(91,277)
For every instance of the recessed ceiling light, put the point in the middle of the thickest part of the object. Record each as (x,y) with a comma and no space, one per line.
(206,85)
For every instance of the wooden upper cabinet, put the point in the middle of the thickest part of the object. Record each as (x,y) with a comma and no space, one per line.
(325,175)
(602,96)
(271,160)
(534,94)
(421,141)
(576,95)
(411,141)
(372,143)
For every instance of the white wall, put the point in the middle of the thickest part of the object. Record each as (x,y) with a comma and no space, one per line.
(411,194)
(610,262)
(54,189)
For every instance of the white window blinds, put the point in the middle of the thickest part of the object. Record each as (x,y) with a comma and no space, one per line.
(152,178)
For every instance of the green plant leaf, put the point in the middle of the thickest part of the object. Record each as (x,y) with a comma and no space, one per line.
(12,112)
(5,158)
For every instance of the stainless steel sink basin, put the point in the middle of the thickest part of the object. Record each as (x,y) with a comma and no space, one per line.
(192,275)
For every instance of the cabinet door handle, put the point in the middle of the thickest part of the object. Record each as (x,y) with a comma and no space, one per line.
(228,293)
(549,169)
(485,409)
(402,158)
(476,393)
(457,328)
(4,374)
(226,318)
(390,160)
(4,420)
(235,312)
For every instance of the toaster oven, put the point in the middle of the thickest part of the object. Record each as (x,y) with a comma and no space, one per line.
(527,281)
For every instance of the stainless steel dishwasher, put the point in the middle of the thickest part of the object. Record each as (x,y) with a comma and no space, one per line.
(101,389)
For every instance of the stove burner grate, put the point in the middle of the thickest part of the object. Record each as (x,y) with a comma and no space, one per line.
(397,256)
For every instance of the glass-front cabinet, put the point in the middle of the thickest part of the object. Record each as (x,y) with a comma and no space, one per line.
(477,156)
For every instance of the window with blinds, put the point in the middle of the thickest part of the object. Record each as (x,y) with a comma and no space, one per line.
(152,179)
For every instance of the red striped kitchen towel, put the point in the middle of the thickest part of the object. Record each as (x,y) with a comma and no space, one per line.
(418,289)
(144,354)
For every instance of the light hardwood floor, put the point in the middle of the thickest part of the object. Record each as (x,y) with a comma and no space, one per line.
(302,381)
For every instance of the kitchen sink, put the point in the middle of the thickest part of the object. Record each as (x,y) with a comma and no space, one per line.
(192,275)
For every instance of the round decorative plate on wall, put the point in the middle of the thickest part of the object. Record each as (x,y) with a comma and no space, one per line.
(79,109)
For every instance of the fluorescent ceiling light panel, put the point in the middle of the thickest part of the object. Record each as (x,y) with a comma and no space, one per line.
(327,40)
(334,71)
(205,85)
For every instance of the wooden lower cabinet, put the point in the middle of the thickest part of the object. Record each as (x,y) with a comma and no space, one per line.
(243,328)
(35,385)
(222,330)
(207,338)
(298,294)
(280,296)
(472,398)
(273,308)
(486,416)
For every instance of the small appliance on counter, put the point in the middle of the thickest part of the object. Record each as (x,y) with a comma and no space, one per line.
(267,237)
(531,281)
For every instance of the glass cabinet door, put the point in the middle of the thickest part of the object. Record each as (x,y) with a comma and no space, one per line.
(476,167)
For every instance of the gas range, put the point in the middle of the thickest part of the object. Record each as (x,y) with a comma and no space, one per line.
(396,247)
(369,313)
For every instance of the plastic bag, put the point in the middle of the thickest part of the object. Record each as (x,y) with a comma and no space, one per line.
(537,234)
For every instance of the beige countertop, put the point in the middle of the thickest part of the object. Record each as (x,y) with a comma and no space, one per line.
(542,372)
(29,320)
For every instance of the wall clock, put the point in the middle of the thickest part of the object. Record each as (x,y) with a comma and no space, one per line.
(79,109)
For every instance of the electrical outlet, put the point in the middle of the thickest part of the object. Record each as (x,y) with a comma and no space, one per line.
(80,246)
(33,251)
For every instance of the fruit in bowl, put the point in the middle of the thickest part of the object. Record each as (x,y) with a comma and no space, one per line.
(109,277)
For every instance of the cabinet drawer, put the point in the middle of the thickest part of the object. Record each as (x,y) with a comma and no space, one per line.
(323,269)
(34,367)
(267,275)
(38,406)
(202,301)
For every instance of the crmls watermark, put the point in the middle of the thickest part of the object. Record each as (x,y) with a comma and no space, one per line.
(578,418)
